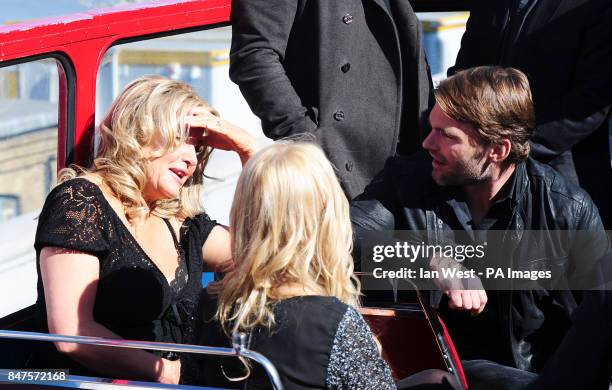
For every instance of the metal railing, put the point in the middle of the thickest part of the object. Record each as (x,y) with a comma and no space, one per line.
(238,348)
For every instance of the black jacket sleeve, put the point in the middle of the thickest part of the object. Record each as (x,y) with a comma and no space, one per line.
(585,106)
(373,211)
(590,246)
(375,208)
(260,33)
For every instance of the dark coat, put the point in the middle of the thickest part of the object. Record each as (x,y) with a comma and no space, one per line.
(564,47)
(405,197)
(333,69)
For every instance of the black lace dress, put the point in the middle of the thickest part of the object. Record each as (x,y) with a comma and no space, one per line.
(133,297)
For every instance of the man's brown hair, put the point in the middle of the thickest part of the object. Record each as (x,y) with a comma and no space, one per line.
(495,101)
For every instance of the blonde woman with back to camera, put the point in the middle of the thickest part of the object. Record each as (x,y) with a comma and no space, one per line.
(292,290)
(120,248)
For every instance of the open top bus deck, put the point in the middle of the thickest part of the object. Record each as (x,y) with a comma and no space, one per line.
(58,76)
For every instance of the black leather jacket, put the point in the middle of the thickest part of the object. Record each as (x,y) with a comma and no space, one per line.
(405,197)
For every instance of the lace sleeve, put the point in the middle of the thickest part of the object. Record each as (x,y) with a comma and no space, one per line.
(198,228)
(354,361)
(73,218)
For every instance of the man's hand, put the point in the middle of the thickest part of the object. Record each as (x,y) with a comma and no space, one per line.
(472,300)
(463,293)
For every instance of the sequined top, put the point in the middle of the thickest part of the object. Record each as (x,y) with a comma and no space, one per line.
(133,297)
(354,361)
(318,342)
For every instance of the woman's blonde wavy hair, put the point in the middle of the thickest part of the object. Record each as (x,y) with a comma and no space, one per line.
(290,224)
(150,107)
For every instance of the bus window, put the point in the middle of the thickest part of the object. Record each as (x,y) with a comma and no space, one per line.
(442,32)
(29,94)
(201,59)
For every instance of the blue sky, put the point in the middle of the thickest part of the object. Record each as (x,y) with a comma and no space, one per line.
(32,9)
(21,10)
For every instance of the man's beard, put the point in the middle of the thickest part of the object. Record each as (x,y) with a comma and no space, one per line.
(465,172)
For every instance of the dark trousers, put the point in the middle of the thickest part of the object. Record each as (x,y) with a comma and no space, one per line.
(488,375)
(582,360)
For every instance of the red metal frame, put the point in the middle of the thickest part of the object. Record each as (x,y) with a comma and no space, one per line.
(83,38)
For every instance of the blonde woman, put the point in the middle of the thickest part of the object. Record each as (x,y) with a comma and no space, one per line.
(120,248)
(293,290)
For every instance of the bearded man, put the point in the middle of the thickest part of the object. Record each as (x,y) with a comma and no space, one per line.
(477,179)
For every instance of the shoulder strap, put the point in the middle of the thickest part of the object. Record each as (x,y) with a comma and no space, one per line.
(172,232)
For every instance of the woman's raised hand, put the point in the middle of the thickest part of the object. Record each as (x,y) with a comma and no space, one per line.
(221,134)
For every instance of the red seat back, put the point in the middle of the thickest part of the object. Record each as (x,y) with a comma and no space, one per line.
(411,342)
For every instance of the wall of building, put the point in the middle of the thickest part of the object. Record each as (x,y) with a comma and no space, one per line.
(28,168)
